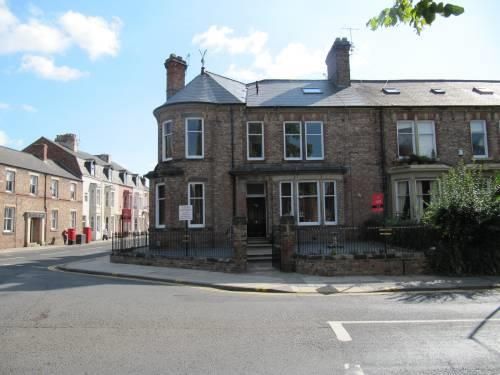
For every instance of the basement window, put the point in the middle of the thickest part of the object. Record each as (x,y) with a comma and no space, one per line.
(391,91)
(438,91)
(312,90)
(482,90)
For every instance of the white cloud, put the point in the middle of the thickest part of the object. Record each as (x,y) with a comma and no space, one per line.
(4,106)
(28,108)
(5,140)
(44,67)
(295,60)
(93,34)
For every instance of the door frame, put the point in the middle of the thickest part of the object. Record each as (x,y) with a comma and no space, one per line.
(262,196)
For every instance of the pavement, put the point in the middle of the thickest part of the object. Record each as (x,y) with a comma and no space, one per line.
(273,281)
(34,249)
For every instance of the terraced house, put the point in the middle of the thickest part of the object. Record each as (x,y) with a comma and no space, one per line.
(318,150)
(38,198)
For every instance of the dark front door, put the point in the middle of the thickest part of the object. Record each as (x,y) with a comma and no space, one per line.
(256,216)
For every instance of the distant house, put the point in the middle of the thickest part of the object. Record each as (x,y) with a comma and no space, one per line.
(38,198)
(322,151)
(114,199)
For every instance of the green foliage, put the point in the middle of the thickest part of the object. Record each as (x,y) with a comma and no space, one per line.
(422,13)
(466,213)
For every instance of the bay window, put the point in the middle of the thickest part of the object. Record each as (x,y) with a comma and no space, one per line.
(329,202)
(423,195)
(308,202)
(403,208)
(167,140)
(196,198)
(286,202)
(194,138)
(160,205)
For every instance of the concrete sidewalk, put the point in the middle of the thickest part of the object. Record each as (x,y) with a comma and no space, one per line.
(279,282)
(97,243)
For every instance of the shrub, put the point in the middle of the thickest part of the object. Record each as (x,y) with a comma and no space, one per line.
(466,213)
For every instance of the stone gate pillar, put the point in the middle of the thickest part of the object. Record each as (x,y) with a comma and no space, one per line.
(288,242)
(240,242)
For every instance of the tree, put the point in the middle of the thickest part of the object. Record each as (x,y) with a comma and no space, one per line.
(466,213)
(419,15)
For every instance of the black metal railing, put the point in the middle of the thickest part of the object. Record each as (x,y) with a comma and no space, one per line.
(192,243)
(127,242)
(363,240)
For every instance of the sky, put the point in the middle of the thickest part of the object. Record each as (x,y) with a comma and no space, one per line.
(95,68)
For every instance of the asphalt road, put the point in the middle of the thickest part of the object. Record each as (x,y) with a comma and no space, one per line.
(63,323)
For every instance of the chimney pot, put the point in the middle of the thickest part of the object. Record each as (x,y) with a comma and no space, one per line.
(176,74)
(337,62)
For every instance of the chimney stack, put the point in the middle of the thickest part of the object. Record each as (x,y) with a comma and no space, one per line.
(105,157)
(68,140)
(337,62)
(176,74)
(39,150)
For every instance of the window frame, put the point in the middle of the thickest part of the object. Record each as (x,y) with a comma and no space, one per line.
(157,206)
(13,181)
(32,175)
(396,188)
(318,204)
(186,138)
(323,196)
(72,191)
(202,225)
(72,213)
(434,181)
(322,157)
(300,140)
(416,137)
(163,141)
(54,192)
(11,219)
(286,196)
(485,133)
(254,134)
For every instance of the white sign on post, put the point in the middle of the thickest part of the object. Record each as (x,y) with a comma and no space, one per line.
(186,213)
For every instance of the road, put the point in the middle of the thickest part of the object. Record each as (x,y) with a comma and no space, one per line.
(62,323)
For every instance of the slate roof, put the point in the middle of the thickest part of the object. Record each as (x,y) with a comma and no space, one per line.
(24,160)
(212,88)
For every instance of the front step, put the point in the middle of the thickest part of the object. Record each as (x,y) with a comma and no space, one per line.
(259,249)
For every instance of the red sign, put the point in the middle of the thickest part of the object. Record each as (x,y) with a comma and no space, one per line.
(378,202)
(126,214)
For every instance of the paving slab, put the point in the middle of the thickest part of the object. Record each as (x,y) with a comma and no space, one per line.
(279,282)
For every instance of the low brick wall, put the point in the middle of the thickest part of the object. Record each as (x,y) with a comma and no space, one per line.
(207,264)
(346,265)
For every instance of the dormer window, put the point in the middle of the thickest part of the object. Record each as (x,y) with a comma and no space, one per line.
(391,91)
(90,165)
(482,90)
(108,172)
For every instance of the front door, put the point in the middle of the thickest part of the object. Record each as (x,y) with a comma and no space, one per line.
(256,217)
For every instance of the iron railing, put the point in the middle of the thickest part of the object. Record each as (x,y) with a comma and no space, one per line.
(127,242)
(364,240)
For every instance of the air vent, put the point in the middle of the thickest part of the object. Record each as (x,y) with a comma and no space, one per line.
(391,91)
(312,90)
(482,90)
(438,91)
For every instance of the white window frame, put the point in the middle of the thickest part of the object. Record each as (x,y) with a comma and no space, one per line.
(163,140)
(98,196)
(11,172)
(186,140)
(322,157)
(417,200)
(284,140)
(112,198)
(323,196)
(396,189)
(36,186)
(11,219)
(98,223)
(72,191)
(202,225)
(254,134)
(72,215)
(52,217)
(54,193)
(415,136)
(318,197)
(286,196)
(157,211)
(485,132)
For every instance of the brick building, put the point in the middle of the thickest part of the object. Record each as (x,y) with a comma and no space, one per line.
(38,198)
(114,199)
(315,149)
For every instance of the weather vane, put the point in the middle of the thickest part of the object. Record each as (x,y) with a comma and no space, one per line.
(202,60)
(350,36)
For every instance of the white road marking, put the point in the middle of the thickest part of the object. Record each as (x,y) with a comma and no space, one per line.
(353,369)
(433,321)
(340,331)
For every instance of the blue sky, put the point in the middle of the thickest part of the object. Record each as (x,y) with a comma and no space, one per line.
(95,68)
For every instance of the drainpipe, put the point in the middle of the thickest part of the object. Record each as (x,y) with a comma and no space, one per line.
(233,178)
(45,210)
(382,161)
